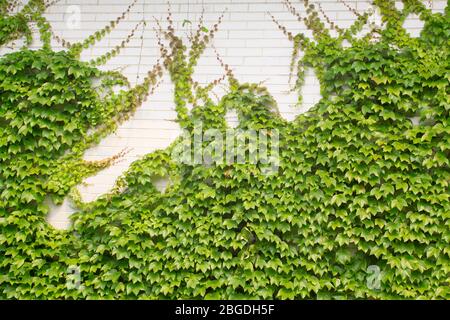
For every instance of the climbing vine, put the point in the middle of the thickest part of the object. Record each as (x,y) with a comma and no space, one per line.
(359,185)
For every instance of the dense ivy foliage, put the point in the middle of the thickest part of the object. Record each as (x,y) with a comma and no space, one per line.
(15,24)
(359,183)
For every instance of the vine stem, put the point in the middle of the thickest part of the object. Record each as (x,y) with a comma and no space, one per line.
(142,41)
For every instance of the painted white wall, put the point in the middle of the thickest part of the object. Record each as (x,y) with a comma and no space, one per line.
(247,40)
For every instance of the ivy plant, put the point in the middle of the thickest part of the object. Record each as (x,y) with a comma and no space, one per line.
(360,186)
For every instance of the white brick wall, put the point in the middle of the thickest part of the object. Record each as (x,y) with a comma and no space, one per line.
(247,40)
